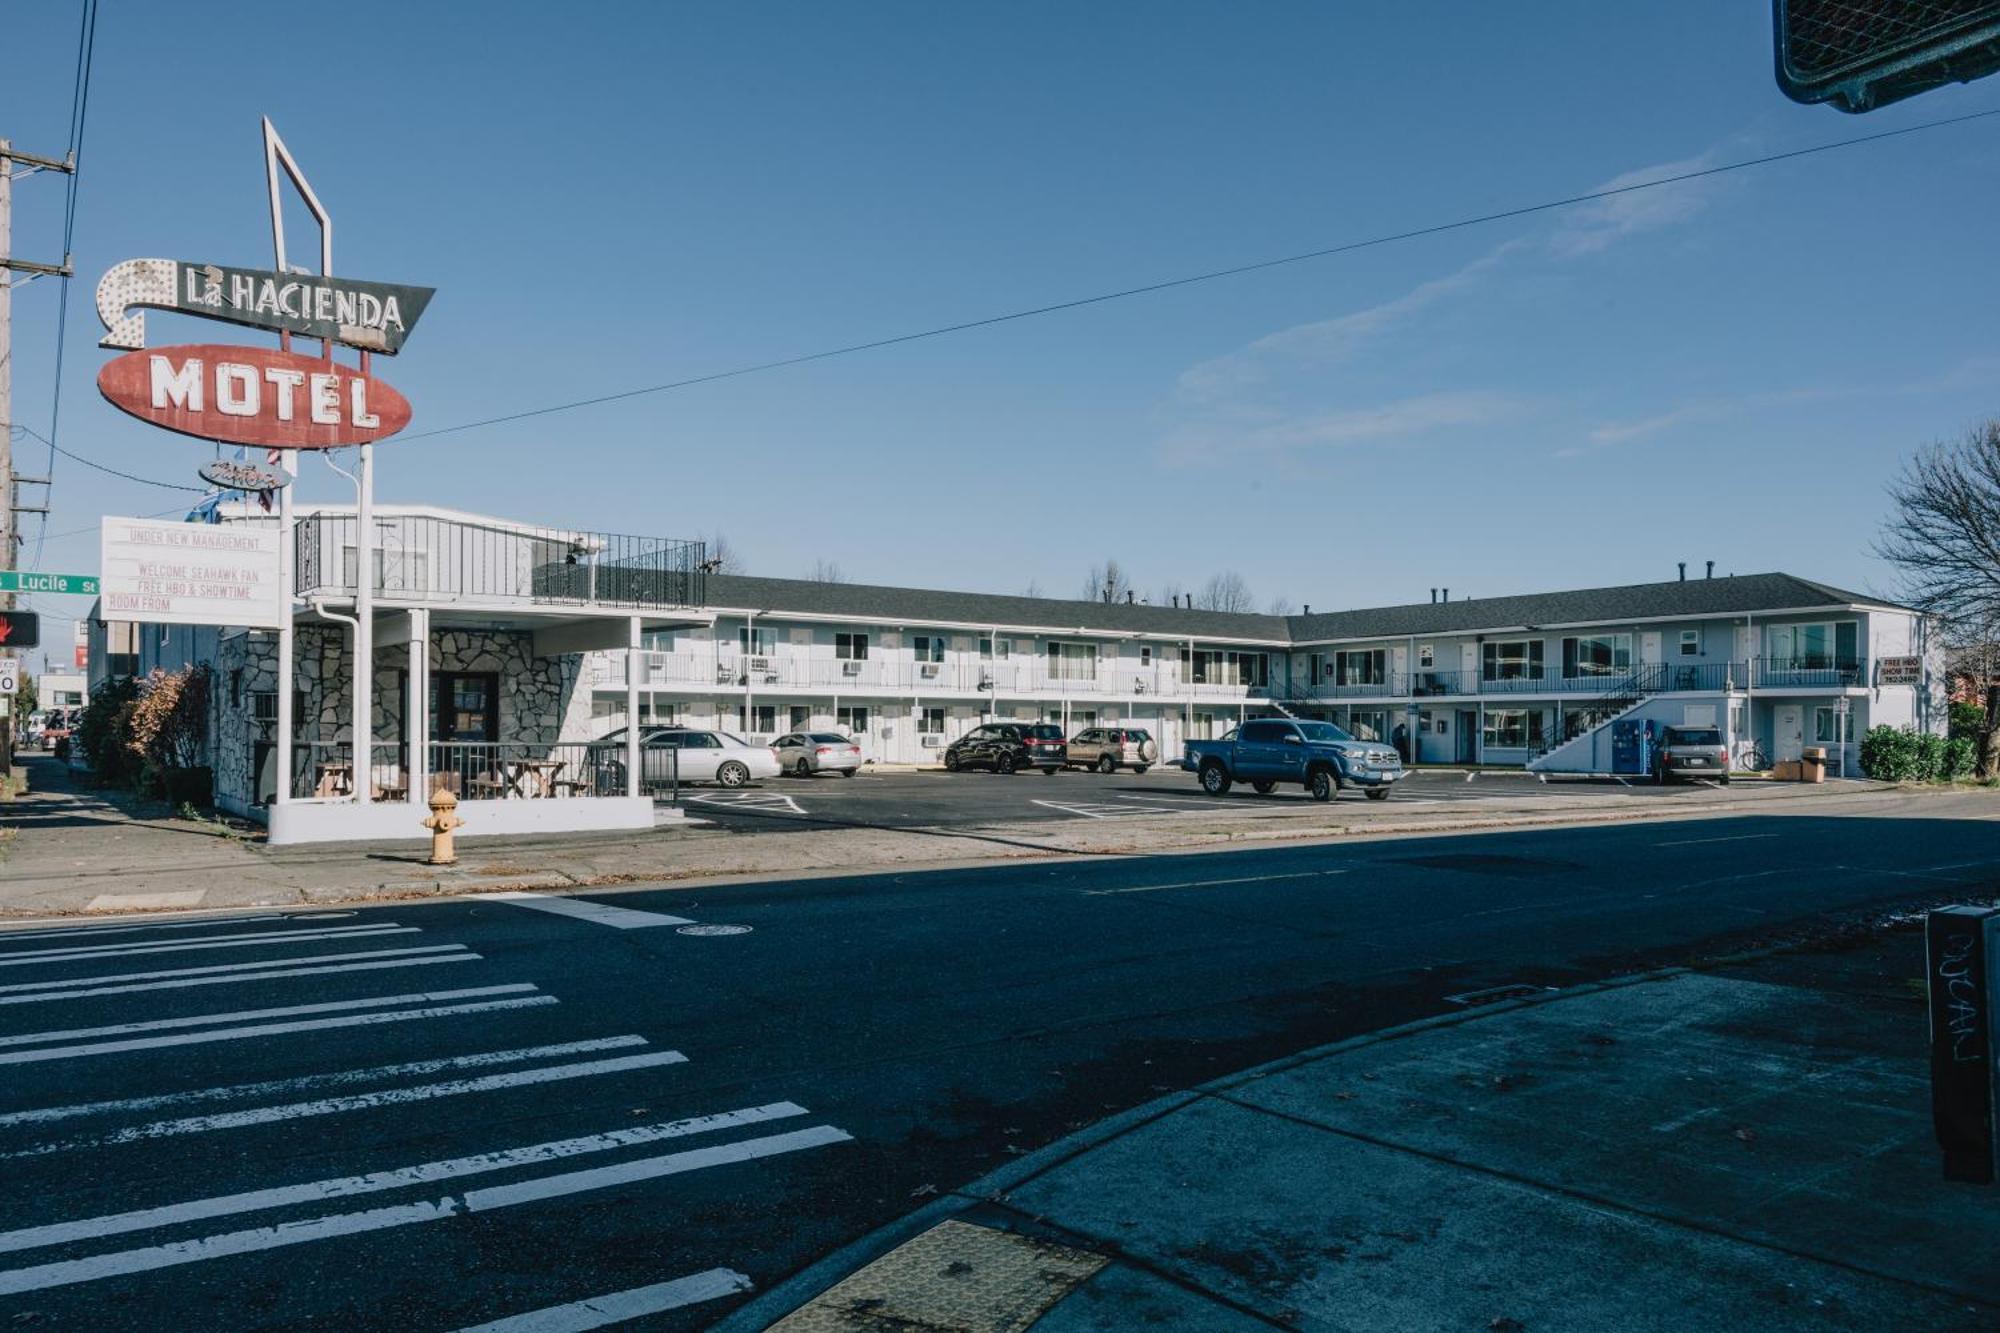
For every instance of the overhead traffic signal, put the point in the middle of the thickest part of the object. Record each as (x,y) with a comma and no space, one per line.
(1864,54)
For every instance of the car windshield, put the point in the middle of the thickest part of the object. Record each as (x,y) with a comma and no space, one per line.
(1324,731)
(830,738)
(1045,732)
(1694,736)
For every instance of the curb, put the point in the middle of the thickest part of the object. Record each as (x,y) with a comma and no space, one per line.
(818,1277)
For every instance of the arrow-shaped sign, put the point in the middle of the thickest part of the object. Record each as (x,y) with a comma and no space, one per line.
(374,316)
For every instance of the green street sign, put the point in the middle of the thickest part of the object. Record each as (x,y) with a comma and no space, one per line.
(26,580)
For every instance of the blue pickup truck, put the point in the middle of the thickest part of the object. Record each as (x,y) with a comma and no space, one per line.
(1266,751)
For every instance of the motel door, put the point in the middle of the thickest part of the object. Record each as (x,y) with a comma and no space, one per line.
(1788,731)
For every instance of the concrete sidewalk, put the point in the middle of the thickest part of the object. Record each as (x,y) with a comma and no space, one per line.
(66,848)
(1746,1148)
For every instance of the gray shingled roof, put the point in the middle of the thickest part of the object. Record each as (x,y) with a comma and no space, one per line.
(1731,595)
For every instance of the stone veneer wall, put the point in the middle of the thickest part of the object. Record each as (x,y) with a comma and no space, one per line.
(540,700)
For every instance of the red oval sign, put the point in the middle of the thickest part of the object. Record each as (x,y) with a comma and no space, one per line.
(253,395)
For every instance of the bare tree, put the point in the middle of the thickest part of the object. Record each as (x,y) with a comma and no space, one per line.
(1172,594)
(826,571)
(1281,606)
(723,558)
(1944,540)
(1107,582)
(1034,589)
(1226,591)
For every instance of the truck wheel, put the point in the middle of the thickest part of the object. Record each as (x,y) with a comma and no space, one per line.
(1378,793)
(1004,764)
(1322,784)
(1215,779)
(1262,788)
(1107,765)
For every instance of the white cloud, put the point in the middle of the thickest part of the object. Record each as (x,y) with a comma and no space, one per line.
(1589,228)
(1274,436)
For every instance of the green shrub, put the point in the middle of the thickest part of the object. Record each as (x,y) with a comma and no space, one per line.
(105,732)
(1960,754)
(1927,757)
(1890,754)
(1967,720)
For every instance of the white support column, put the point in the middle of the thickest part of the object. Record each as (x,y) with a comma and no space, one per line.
(417,710)
(287,529)
(632,774)
(364,630)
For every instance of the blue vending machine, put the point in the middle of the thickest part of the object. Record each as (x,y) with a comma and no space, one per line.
(1628,746)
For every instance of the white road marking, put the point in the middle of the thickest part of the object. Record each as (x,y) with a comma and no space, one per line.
(76,953)
(1694,842)
(618,918)
(246,1015)
(212,969)
(122,928)
(1210,883)
(619,1306)
(367,1101)
(1103,810)
(285,1196)
(241,972)
(311,1082)
(269,1030)
(145,902)
(750,800)
(120,1263)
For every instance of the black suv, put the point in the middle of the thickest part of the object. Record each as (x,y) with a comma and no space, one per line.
(1006,746)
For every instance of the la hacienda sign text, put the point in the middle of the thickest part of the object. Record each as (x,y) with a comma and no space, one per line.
(373,316)
(253,395)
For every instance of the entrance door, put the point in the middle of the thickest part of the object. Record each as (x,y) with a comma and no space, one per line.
(1468,736)
(1788,731)
(1649,647)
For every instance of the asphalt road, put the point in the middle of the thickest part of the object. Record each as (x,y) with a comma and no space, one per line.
(295,1121)
(936,799)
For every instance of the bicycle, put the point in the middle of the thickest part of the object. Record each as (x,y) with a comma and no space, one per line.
(1752,759)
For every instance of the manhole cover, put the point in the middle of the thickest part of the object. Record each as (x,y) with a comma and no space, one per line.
(712,930)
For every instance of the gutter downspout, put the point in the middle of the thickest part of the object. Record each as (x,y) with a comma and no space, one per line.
(353,747)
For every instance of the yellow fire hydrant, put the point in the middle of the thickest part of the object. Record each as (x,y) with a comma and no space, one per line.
(444,819)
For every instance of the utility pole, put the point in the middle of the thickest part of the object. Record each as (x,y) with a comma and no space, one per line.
(10,535)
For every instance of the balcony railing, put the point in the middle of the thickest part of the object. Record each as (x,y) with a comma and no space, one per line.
(470,770)
(1816,672)
(422,558)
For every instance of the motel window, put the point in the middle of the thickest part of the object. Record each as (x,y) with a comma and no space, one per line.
(465,706)
(1828,726)
(1512,659)
(1426,655)
(985,649)
(852,720)
(1145,655)
(1513,728)
(1813,646)
(851,647)
(1366,666)
(1596,655)
(801,717)
(758,719)
(1739,719)
(657,640)
(759,642)
(1690,643)
(930,722)
(930,648)
(1072,661)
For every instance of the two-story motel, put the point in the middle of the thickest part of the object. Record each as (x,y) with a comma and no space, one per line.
(503,649)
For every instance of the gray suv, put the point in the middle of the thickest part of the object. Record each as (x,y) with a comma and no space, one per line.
(1108,749)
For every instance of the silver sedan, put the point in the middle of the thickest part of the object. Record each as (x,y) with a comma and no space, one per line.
(804,753)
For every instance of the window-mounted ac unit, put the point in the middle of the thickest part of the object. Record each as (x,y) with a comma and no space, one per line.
(760,664)
(933,742)
(928,670)
(850,668)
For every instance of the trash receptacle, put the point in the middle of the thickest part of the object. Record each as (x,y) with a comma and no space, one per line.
(1812,766)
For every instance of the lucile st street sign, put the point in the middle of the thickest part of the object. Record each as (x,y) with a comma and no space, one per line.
(373,316)
(254,395)
(28,580)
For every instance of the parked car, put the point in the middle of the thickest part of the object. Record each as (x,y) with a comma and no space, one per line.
(1318,755)
(1006,746)
(701,756)
(1108,749)
(1690,752)
(804,753)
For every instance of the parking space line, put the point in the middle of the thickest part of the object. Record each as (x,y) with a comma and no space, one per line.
(308,1082)
(366,1101)
(1696,842)
(284,1196)
(245,972)
(1210,883)
(618,918)
(618,1306)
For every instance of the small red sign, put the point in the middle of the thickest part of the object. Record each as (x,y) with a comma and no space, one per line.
(253,395)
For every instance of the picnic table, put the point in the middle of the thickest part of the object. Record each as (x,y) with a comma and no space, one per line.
(334,778)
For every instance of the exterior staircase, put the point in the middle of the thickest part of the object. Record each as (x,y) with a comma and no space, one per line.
(1600,712)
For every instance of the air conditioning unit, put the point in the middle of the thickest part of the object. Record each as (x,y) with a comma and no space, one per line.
(850,668)
(760,665)
(986,680)
(933,742)
(928,670)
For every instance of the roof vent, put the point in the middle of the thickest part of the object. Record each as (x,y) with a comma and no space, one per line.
(1684,571)
(1447,594)
(1434,596)
(1711,569)
(1129,596)
(1308,611)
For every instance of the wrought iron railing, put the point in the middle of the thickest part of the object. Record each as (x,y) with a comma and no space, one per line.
(481,770)
(421,557)
(1815,671)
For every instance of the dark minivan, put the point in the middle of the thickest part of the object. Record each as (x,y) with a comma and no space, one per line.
(1006,746)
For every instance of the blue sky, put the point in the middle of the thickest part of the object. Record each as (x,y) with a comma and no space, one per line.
(614,195)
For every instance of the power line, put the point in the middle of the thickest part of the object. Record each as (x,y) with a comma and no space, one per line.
(128,476)
(1237,270)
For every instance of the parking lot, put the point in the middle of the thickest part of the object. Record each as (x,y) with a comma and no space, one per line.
(907,799)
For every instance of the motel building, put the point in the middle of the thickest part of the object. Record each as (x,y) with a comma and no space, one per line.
(505,654)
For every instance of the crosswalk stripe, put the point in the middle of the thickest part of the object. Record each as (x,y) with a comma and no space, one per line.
(618,918)
(264,1115)
(281,1196)
(310,1082)
(246,1015)
(618,1306)
(119,1263)
(449,953)
(80,953)
(57,930)
(25,987)
(267,1030)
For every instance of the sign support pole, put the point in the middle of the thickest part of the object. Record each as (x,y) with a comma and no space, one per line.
(287,528)
(364,629)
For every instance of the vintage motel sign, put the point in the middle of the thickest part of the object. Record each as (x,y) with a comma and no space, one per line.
(1864,54)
